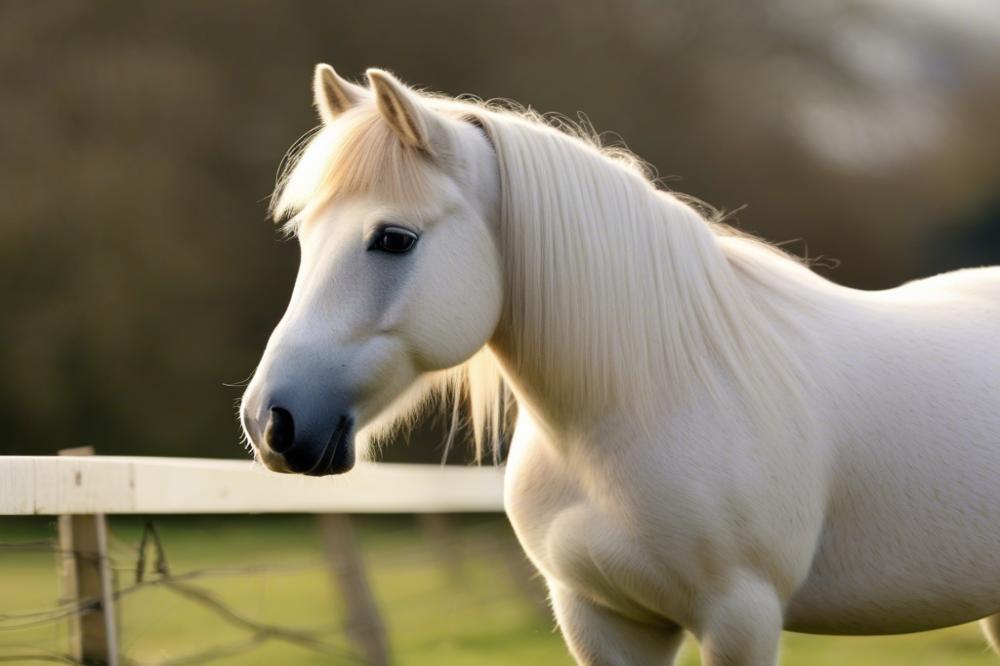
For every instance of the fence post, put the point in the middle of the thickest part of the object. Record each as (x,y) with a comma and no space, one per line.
(86,576)
(343,553)
(437,530)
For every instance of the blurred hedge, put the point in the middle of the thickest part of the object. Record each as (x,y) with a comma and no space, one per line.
(139,141)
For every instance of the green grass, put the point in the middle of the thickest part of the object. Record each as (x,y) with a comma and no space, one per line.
(471,609)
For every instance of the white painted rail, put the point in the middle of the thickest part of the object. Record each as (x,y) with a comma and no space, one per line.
(43,485)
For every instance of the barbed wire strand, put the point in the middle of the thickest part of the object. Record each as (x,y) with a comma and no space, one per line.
(39,656)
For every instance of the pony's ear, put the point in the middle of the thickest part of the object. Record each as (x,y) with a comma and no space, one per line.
(333,95)
(404,112)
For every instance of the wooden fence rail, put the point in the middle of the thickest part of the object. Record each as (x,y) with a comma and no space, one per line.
(57,485)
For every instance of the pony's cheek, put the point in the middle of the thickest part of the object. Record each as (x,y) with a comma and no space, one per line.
(456,310)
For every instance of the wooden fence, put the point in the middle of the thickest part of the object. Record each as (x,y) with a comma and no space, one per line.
(81,489)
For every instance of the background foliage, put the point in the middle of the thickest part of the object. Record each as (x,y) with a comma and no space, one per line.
(139,141)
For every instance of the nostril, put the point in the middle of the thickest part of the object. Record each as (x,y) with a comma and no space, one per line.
(280,431)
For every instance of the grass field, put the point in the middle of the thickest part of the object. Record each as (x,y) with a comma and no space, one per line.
(467,609)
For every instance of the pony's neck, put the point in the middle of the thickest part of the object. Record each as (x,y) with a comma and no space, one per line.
(619,297)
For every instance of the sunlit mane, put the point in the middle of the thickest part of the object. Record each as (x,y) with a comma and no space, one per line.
(617,292)
(359,153)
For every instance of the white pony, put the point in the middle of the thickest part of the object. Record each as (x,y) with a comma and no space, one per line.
(710,436)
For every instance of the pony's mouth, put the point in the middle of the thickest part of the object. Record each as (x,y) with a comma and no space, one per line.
(336,456)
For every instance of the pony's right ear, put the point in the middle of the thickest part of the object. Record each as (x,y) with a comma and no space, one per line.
(333,95)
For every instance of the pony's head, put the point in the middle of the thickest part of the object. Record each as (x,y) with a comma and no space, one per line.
(394,202)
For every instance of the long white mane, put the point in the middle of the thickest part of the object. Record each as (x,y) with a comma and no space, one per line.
(618,293)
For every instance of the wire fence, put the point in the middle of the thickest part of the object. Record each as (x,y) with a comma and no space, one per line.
(144,564)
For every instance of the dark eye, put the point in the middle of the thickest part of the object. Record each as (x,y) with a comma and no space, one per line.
(394,240)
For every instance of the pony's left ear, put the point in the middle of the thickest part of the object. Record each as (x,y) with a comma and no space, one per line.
(406,114)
